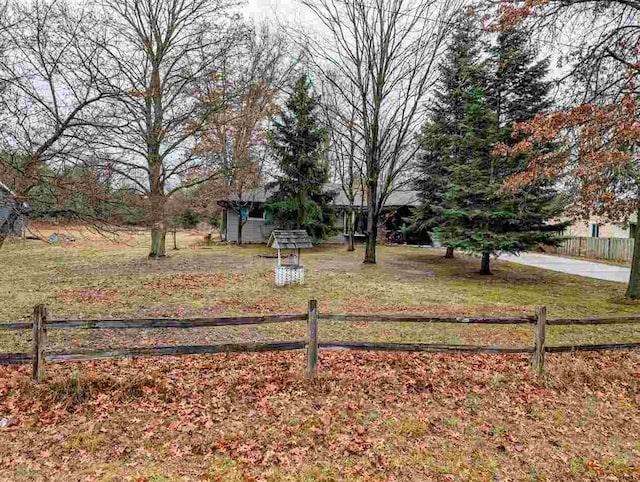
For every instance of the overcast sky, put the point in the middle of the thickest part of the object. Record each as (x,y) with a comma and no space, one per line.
(288,10)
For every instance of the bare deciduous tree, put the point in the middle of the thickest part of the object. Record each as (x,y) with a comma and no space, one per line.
(50,76)
(386,51)
(254,72)
(161,53)
(345,152)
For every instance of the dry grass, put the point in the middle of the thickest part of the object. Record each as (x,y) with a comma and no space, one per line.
(369,416)
(92,277)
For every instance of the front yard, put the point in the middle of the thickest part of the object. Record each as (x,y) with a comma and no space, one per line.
(368,416)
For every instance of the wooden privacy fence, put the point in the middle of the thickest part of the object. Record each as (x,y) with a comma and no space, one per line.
(40,325)
(619,249)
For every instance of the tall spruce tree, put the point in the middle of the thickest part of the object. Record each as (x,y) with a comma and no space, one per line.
(459,72)
(299,199)
(474,213)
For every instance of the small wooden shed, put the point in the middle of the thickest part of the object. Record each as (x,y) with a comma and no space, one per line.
(12,212)
(290,269)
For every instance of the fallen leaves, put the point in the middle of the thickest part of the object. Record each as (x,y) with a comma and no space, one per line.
(89,296)
(369,415)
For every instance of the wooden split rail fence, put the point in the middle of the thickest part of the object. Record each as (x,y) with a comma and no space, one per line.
(41,324)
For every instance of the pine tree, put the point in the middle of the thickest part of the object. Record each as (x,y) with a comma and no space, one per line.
(459,72)
(297,140)
(473,211)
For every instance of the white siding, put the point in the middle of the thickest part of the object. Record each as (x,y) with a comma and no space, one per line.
(258,231)
(253,231)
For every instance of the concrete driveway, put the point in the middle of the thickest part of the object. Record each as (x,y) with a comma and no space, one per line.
(577,267)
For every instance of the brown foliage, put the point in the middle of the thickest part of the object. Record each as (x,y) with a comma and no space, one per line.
(595,146)
(512,13)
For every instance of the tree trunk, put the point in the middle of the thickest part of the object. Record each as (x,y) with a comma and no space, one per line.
(350,231)
(449,253)
(158,241)
(370,252)
(240,225)
(158,226)
(175,244)
(372,222)
(486,260)
(223,225)
(633,288)
(157,193)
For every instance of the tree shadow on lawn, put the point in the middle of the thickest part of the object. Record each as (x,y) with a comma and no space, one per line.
(210,263)
(465,268)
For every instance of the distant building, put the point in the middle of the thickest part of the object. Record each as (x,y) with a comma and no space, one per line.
(594,228)
(9,203)
(258,220)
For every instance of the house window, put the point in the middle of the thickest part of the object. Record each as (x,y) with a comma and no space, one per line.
(632,230)
(595,230)
(256,213)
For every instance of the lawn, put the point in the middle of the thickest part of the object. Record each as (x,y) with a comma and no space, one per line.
(368,416)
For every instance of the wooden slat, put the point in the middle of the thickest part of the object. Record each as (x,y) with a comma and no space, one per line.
(39,341)
(428,319)
(176,350)
(312,347)
(422,347)
(601,347)
(16,358)
(540,336)
(606,248)
(604,320)
(15,326)
(27,358)
(170,322)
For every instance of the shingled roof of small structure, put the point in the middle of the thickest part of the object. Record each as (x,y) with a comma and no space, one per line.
(398,198)
(294,239)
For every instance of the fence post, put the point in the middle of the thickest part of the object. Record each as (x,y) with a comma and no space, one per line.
(312,346)
(39,341)
(537,361)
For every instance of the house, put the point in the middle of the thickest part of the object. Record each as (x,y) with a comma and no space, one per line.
(8,204)
(257,221)
(594,228)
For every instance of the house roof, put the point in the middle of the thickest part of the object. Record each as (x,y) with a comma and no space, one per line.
(294,239)
(401,197)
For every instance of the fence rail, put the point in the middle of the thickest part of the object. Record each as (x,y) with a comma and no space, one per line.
(617,249)
(539,322)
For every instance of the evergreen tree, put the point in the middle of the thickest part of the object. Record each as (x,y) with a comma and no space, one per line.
(473,211)
(458,73)
(297,140)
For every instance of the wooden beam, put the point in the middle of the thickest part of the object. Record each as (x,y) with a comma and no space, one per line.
(27,358)
(600,347)
(39,341)
(176,350)
(171,322)
(312,346)
(15,326)
(523,320)
(540,333)
(16,358)
(605,320)
(422,347)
